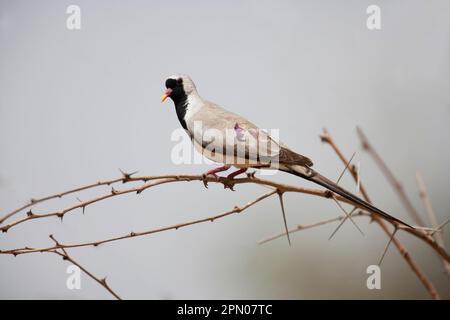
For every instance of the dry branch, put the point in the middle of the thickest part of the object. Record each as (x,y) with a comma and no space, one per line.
(63,253)
(133,234)
(428,235)
(390,177)
(326,137)
(301,227)
(432,216)
(159,180)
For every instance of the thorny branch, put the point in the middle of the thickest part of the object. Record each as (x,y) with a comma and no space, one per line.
(432,216)
(326,137)
(133,234)
(61,251)
(428,235)
(152,181)
(390,177)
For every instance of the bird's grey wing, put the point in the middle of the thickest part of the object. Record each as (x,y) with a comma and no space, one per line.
(223,133)
(277,151)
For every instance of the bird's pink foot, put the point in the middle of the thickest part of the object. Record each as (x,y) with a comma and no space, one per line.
(236,173)
(213,173)
(228,183)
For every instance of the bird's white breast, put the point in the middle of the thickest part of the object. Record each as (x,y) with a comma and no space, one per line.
(194,104)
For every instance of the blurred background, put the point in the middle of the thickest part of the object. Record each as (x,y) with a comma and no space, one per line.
(77,105)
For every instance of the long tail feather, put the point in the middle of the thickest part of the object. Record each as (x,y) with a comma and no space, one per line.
(330,185)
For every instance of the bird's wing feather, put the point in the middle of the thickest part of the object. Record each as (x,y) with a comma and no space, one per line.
(223,133)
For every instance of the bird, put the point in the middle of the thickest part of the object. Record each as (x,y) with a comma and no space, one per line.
(231,140)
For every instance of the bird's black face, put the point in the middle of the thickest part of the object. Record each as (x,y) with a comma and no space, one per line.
(175,90)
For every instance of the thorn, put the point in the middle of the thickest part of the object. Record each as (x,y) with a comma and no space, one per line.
(346,168)
(126,175)
(387,246)
(83,207)
(33,200)
(113,191)
(280,196)
(29,213)
(440,227)
(205,182)
(132,234)
(349,216)
(340,224)
(338,227)
(53,238)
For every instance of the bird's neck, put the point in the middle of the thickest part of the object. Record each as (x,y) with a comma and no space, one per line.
(181,102)
(186,106)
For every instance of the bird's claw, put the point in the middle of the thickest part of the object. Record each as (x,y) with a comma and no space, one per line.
(205,180)
(251,175)
(228,184)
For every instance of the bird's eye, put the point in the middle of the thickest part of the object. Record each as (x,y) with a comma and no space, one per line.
(179,80)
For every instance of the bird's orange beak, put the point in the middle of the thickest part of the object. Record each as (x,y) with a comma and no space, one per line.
(166,95)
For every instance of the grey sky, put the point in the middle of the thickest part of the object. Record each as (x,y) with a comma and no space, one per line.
(77,105)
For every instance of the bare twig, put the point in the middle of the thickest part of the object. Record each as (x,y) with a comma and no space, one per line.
(146,182)
(390,177)
(358,175)
(310,226)
(63,253)
(432,216)
(35,201)
(326,137)
(152,181)
(27,250)
(421,233)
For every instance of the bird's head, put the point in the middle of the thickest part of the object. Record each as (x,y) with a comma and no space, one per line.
(178,88)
